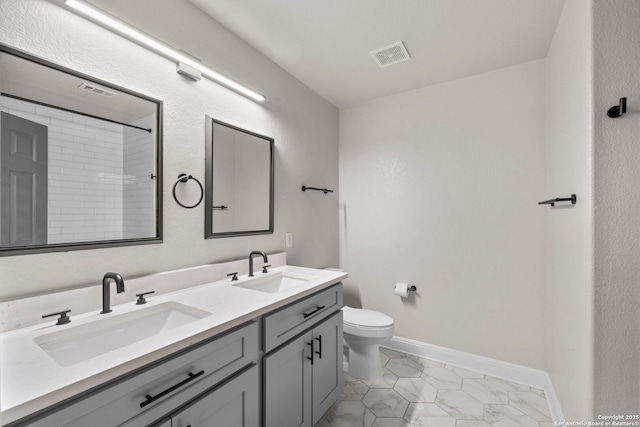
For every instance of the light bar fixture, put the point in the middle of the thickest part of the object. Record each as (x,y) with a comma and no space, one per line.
(161,48)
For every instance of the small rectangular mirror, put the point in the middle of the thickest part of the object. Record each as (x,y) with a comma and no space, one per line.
(238,181)
(80,160)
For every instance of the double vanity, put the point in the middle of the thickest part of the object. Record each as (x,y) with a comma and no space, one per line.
(262,350)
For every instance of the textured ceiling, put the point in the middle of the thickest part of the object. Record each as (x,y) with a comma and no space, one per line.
(326,43)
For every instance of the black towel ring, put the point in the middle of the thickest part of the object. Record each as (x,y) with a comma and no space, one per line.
(183,177)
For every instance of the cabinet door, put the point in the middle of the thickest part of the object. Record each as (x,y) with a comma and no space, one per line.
(327,365)
(287,384)
(234,404)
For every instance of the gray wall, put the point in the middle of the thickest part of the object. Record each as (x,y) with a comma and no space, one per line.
(438,188)
(617,208)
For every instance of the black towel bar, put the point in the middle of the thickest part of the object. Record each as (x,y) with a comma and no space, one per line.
(305,188)
(552,202)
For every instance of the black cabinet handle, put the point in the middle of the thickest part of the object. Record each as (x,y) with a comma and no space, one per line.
(318,308)
(311,358)
(319,352)
(151,399)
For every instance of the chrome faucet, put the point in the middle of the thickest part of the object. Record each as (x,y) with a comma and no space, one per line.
(251,255)
(106,290)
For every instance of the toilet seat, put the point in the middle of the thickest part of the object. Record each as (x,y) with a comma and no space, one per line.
(365,319)
(366,324)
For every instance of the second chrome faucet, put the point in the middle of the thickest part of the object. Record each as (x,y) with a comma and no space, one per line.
(251,255)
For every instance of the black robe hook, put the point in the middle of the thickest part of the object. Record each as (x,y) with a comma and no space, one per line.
(618,110)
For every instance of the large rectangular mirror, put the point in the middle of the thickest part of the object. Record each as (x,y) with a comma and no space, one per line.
(239,181)
(80,160)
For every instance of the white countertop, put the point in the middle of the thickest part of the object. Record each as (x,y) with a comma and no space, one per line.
(31,380)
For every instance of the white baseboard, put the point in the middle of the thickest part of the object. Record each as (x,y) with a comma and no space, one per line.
(493,367)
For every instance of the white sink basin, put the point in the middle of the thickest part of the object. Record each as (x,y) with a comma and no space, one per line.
(77,344)
(275,282)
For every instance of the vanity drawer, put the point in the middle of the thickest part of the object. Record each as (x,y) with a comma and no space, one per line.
(148,392)
(286,323)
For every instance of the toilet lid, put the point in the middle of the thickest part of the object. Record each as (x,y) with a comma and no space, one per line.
(363,317)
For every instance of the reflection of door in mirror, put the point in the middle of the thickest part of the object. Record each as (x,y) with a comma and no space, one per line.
(23,181)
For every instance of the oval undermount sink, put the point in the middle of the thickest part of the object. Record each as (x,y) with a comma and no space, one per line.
(77,344)
(275,282)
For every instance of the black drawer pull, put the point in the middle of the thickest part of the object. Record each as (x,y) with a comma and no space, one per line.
(151,399)
(319,352)
(318,308)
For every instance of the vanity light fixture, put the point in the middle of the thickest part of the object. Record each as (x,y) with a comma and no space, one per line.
(136,35)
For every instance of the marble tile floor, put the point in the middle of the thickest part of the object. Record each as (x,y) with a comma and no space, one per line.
(415,391)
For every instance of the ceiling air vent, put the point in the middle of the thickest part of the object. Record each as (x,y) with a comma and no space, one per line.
(88,87)
(390,55)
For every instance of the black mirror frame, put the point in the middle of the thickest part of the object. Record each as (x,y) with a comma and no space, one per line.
(208,200)
(64,247)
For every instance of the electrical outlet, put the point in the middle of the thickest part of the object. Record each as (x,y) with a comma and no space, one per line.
(289,240)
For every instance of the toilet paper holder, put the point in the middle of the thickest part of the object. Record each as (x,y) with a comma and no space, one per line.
(412,288)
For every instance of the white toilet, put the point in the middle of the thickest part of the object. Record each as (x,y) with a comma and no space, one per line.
(364,331)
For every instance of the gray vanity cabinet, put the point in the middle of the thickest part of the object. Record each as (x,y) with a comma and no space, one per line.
(303,378)
(157,390)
